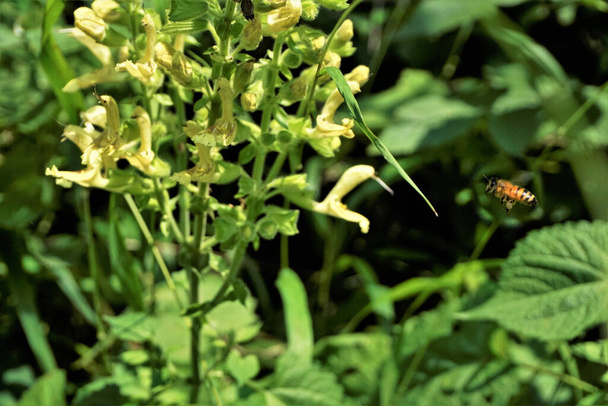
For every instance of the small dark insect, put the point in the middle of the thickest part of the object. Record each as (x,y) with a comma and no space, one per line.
(247,9)
(510,193)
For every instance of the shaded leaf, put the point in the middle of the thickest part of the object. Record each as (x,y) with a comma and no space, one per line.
(554,284)
(298,322)
(48,390)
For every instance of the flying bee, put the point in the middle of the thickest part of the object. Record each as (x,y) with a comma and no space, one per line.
(509,193)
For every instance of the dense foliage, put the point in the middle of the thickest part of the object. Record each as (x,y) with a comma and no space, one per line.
(208,233)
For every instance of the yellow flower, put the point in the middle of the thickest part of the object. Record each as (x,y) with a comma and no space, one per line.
(144,159)
(108,10)
(283,18)
(332,204)
(203,171)
(224,129)
(90,23)
(103,75)
(144,70)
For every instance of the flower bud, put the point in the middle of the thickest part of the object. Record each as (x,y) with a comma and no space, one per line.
(109,10)
(252,98)
(345,33)
(242,76)
(283,18)
(186,72)
(88,22)
(252,34)
(310,10)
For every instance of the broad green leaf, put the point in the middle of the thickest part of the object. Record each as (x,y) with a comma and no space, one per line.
(182,10)
(356,359)
(554,284)
(242,368)
(278,220)
(355,112)
(54,64)
(436,17)
(427,122)
(514,131)
(298,384)
(422,329)
(298,323)
(131,326)
(48,390)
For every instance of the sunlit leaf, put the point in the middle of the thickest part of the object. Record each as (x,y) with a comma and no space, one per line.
(297,316)
(48,390)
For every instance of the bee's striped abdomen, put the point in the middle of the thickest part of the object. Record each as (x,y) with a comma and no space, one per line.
(523,196)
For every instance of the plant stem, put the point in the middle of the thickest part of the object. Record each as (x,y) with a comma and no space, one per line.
(155,251)
(303,108)
(483,241)
(163,201)
(94,268)
(200,224)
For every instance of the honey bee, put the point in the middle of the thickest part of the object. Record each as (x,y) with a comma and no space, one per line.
(510,193)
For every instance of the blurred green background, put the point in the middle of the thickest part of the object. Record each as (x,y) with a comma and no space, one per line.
(459,90)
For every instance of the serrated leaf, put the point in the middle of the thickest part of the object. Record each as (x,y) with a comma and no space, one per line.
(182,10)
(554,284)
(356,114)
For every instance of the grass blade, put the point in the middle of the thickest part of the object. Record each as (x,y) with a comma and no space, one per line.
(356,114)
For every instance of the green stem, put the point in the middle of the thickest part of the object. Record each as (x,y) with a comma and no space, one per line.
(568,379)
(200,225)
(95,271)
(395,19)
(566,353)
(155,251)
(303,108)
(163,200)
(483,241)
(451,63)
(580,112)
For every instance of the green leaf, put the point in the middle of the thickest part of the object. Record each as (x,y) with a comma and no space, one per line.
(356,359)
(355,112)
(242,368)
(297,384)
(436,17)
(278,219)
(54,64)
(48,390)
(554,284)
(298,322)
(594,351)
(427,122)
(135,326)
(185,27)
(182,10)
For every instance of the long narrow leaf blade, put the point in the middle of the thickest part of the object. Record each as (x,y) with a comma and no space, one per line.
(54,64)
(355,112)
(300,339)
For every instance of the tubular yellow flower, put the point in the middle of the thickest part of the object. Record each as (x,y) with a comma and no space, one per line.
(332,204)
(144,70)
(144,159)
(103,75)
(186,72)
(108,10)
(252,34)
(224,129)
(203,171)
(283,18)
(90,23)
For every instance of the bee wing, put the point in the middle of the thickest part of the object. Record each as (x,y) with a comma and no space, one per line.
(521,178)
